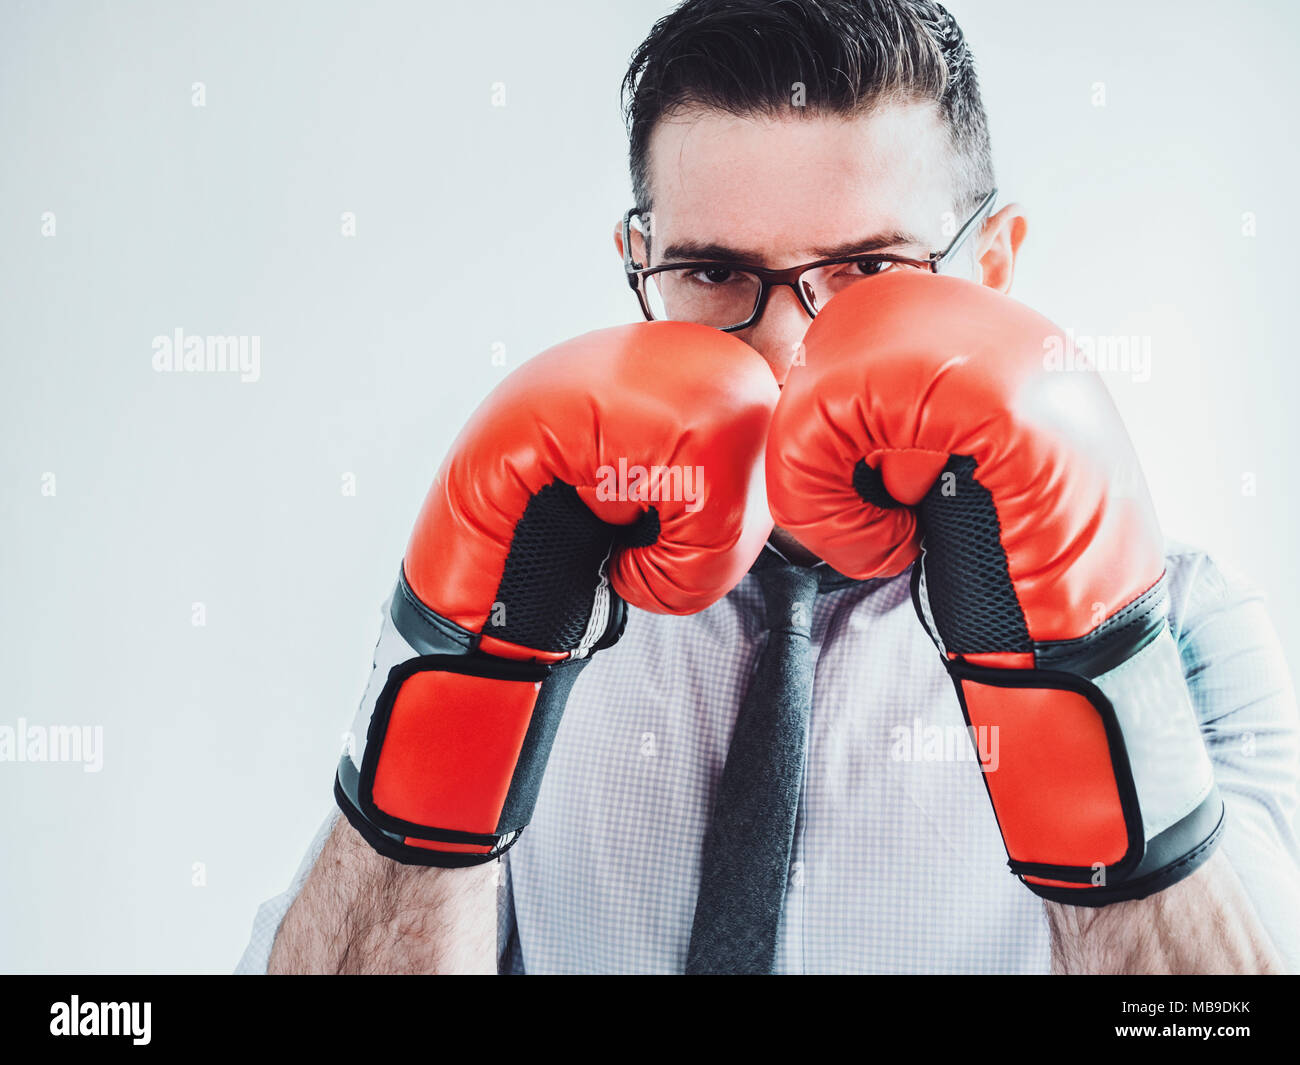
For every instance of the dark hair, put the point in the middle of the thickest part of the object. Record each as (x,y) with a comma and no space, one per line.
(745,56)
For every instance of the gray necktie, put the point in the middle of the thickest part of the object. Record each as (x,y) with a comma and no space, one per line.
(747,846)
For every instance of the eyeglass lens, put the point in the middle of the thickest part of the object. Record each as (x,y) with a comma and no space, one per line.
(722,296)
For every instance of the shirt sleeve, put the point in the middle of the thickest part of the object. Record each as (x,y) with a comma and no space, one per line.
(510,960)
(1244,698)
(266,923)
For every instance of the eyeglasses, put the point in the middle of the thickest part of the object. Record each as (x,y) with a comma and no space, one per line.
(732,296)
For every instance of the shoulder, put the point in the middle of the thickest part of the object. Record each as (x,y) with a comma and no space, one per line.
(1200,582)
(1226,637)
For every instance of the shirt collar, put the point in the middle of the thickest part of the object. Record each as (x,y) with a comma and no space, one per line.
(828,578)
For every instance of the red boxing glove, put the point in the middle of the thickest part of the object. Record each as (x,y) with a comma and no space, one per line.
(926,421)
(625,466)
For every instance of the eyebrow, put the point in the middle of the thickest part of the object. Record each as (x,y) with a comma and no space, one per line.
(703,251)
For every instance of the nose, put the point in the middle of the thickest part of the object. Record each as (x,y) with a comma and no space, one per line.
(778,334)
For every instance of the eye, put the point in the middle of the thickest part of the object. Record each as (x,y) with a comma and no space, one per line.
(871,267)
(713,275)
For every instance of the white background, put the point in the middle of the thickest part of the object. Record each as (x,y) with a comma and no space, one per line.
(476,226)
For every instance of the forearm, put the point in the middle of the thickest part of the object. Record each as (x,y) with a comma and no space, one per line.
(359,912)
(1204,924)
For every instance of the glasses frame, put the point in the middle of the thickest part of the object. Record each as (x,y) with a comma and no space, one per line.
(769,279)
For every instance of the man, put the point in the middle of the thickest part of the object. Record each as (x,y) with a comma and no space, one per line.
(768,135)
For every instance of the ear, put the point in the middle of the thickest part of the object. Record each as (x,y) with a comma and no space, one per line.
(999,245)
(638,243)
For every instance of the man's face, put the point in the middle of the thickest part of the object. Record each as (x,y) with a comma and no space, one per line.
(778,192)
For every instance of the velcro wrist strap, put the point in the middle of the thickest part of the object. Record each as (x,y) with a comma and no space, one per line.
(446,755)
(455,753)
(1102,787)
(408,849)
(1103,790)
